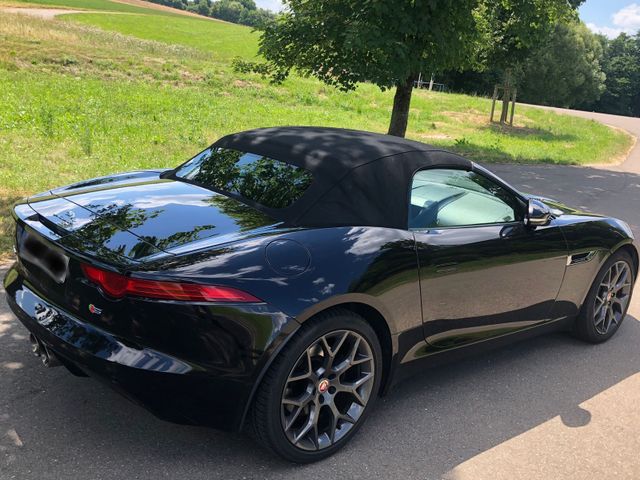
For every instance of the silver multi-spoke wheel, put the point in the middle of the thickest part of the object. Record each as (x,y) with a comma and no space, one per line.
(327,390)
(612,297)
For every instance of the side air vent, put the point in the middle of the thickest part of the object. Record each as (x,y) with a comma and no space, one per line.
(583,257)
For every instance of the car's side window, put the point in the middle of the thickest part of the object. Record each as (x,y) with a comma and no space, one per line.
(458,198)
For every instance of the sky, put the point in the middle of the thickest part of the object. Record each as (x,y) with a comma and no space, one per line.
(273,5)
(609,17)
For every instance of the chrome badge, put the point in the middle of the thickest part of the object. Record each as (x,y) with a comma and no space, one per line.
(95,310)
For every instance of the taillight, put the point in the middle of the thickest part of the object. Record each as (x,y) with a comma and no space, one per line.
(118,286)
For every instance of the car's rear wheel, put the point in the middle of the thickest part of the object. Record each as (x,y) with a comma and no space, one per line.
(608,300)
(319,390)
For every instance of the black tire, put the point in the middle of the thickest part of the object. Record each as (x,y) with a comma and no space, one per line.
(589,326)
(271,412)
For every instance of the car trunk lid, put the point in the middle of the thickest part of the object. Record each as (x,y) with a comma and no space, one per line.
(127,221)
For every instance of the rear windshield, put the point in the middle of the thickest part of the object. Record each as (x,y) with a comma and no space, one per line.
(263,180)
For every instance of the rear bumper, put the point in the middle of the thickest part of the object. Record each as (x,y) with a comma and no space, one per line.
(171,388)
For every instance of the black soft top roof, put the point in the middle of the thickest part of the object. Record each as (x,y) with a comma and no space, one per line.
(359,178)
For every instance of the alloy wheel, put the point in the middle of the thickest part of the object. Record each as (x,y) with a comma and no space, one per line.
(327,390)
(612,298)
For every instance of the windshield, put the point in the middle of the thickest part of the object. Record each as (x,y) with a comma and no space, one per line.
(262,180)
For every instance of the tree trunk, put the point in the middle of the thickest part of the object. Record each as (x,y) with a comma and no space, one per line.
(401,104)
(506,98)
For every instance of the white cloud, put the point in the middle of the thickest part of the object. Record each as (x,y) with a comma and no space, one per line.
(628,17)
(273,5)
(609,32)
(626,20)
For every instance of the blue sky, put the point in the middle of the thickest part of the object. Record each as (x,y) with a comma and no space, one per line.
(609,17)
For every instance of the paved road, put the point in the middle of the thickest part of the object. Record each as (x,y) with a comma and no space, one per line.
(551,407)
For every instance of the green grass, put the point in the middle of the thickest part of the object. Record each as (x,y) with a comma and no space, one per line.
(77,101)
(225,40)
(104,5)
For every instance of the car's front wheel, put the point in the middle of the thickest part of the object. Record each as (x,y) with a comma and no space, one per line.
(608,300)
(319,390)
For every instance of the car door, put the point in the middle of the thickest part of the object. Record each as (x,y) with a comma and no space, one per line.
(483,272)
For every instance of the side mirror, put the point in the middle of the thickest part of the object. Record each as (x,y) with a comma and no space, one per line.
(538,214)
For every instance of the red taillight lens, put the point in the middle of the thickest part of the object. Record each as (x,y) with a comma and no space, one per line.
(118,286)
(111,283)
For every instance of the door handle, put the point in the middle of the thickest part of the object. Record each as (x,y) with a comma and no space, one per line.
(510,231)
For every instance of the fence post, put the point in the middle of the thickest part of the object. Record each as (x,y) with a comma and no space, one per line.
(493,102)
(513,105)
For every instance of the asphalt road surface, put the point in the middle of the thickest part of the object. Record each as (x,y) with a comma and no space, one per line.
(551,407)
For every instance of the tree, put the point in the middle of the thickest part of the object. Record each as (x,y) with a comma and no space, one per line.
(512,29)
(203,8)
(228,10)
(255,18)
(621,65)
(248,4)
(566,71)
(385,42)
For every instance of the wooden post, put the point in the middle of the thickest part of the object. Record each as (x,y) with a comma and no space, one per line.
(493,103)
(506,96)
(513,105)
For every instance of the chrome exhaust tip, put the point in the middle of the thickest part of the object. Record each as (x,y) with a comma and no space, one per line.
(47,357)
(36,346)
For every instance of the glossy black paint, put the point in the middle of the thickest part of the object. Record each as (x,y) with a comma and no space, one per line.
(511,273)
(426,293)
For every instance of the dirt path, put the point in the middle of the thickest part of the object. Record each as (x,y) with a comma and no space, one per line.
(45,13)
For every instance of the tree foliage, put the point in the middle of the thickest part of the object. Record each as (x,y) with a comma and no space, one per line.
(566,70)
(244,12)
(343,42)
(512,29)
(621,65)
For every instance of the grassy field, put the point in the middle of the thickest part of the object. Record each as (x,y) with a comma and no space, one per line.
(103,5)
(224,40)
(100,93)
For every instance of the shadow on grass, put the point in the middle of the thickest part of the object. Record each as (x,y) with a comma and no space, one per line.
(530,133)
(497,154)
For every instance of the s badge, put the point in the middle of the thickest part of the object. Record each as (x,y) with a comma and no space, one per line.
(95,310)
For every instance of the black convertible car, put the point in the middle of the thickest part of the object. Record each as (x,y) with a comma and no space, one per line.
(285,277)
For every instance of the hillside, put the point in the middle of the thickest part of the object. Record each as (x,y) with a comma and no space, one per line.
(93,93)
